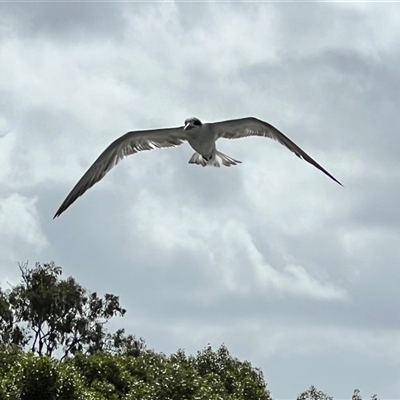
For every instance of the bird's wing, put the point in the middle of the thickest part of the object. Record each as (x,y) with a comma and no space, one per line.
(243,127)
(130,143)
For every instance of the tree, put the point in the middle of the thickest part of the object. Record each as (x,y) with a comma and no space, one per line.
(53,313)
(314,394)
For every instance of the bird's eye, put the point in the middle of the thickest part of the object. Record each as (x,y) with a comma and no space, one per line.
(196,122)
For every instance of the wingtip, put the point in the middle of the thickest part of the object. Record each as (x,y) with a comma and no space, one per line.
(58,213)
(338,182)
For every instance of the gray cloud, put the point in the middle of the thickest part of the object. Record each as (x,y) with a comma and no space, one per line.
(64,20)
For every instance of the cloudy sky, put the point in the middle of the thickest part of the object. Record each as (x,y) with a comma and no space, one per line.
(288,269)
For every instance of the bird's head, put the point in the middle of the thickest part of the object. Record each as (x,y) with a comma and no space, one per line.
(191,123)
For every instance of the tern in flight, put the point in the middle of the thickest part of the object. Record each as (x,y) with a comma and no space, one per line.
(200,136)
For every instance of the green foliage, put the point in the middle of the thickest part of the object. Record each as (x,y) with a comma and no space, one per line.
(313,394)
(152,376)
(26,376)
(155,376)
(238,378)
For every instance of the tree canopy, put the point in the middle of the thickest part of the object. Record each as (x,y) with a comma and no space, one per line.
(210,375)
(51,313)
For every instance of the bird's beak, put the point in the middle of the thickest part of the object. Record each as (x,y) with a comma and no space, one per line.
(186,126)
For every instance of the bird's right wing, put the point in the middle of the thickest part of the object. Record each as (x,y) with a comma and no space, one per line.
(130,143)
(245,127)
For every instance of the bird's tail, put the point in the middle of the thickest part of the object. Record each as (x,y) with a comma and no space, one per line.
(214,161)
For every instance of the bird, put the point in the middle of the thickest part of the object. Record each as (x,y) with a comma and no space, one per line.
(201,137)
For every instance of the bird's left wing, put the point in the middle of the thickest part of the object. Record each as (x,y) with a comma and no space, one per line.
(130,143)
(244,127)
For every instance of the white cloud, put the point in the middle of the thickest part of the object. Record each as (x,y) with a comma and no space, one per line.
(225,246)
(19,220)
(7,145)
(21,235)
(293,280)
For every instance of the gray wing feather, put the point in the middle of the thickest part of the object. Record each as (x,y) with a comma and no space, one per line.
(130,143)
(244,127)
